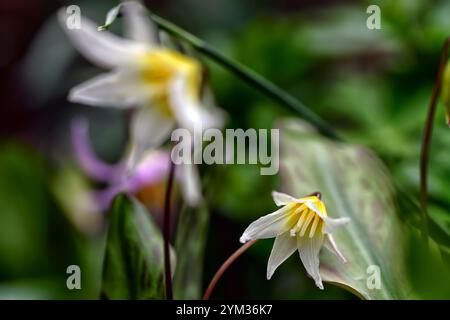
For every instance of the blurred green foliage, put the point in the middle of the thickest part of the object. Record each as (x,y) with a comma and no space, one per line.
(37,242)
(133,267)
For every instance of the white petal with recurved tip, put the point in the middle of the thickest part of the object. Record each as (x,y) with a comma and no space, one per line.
(101,47)
(281,199)
(283,247)
(331,245)
(114,89)
(269,226)
(332,224)
(309,249)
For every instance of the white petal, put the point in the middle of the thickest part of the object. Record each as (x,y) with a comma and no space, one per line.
(137,25)
(115,89)
(282,199)
(332,224)
(149,129)
(208,103)
(314,207)
(283,247)
(330,244)
(190,184)
(309,249)
(190,114)
(101,47)
(270,225)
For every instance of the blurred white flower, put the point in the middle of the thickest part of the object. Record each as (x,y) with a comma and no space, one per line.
(164,85)
(301,224)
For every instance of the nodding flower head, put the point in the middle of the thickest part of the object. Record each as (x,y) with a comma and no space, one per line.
(163,85)
(300,224)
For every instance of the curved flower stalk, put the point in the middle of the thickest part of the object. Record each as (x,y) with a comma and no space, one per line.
(152,169)
(300,224)
(164,85)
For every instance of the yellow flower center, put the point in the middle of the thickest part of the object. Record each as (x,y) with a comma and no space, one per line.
(305,222)
(160,68)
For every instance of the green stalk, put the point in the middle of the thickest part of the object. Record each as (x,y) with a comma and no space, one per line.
(248,75)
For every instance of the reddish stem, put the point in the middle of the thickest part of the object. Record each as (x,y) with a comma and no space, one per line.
(224,267)
(427,134)
(166,232)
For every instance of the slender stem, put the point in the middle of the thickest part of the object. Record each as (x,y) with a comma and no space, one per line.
(248,75)
(166,231)
(224,267)
(427,134)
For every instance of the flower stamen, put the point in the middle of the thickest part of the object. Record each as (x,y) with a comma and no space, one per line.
(314,226)
(303,213)
(307,222)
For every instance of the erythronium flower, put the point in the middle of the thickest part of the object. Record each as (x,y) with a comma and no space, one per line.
(163,84)
(446,92)
(301,224)
(153,168)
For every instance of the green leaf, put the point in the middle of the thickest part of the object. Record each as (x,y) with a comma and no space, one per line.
(191,238)
(134,261)
(354,184)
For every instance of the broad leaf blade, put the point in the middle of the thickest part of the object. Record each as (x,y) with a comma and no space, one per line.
(191,241)
(134,261)
(354,184)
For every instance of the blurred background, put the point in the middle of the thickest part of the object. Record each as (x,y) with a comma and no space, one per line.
(373,86)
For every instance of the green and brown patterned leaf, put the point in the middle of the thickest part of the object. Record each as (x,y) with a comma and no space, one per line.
(355,184)
(133,266)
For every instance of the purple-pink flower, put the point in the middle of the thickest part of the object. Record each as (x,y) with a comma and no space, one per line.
(152,169)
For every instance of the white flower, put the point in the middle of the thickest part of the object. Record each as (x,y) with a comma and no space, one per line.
(301,224)
(162,84)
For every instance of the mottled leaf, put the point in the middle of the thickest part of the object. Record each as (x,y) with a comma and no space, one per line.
(134,261)
(191,238)
(354,184)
